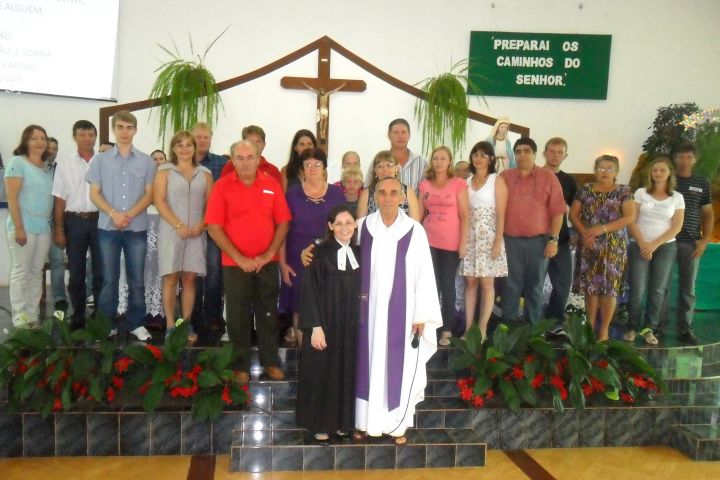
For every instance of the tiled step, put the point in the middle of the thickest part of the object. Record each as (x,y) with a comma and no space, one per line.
(292,449)
(699,442)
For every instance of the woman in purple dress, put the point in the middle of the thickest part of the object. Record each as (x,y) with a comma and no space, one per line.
(310,203)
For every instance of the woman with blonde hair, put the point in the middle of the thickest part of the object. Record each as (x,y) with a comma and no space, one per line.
(660,214)
(180,192)
(444,210)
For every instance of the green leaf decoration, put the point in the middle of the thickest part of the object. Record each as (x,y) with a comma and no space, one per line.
(442,115)
(525,391)
(224,357)
(208,379)
(186,90)
(510,395)
(162,371)
(140,354)
(153,396)
(462,361)
(612,394)
(482,385)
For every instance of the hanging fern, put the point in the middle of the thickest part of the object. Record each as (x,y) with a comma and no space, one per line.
(443,113)
(186,90)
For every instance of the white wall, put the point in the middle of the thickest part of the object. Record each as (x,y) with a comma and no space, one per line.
(663,52)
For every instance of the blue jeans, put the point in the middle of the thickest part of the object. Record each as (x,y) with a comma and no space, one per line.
(82,236)
(209,289)
(687,274)
(445,263)
(56,258)
(648,278)
(560,270)
(527,267)
(133,245)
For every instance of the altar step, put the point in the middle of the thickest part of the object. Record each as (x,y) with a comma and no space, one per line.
(295,450)
(699,442)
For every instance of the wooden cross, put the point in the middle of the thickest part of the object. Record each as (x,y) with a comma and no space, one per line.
(323,86)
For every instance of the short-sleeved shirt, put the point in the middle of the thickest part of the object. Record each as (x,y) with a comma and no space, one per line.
(696,193)
(655,216)
(247,214)
(35,199)
(122,181)
(442,215)
(214,163)
(413,172)
(70,184)
(264,166)
(533,201)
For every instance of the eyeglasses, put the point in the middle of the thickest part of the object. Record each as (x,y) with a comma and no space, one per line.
(605,169)
(385,165)
(312,165)
(481,155)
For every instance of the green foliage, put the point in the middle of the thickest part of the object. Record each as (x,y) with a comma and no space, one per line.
(443,113)
(522,366)
(186,89)
(51,369)
(707,140)
(667,130)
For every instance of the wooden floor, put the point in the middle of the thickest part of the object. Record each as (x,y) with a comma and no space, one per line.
(656,463)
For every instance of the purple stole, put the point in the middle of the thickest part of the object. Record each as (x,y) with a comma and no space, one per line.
(396,321)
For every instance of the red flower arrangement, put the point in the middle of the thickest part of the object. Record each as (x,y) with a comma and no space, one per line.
(522,366)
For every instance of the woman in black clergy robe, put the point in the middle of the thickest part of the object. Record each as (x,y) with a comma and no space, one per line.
(329,316)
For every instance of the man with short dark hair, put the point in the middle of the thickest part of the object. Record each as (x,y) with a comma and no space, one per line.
(208,308)
(76,219)
(248,217)
(412,166)
(693,238)
(560,266)
(121,187)
(533,218)
(256,135)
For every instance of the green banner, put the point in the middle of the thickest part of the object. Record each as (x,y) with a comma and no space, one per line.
(539,65)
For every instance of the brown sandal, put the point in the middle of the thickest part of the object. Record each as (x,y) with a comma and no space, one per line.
(359,436)
(401,440)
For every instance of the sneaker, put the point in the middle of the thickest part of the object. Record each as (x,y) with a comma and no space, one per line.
(225,337)
(141,334)
(689,337)
(112,333)
(90,301)
(445,339)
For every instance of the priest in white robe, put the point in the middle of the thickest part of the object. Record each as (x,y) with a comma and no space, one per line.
(398,299)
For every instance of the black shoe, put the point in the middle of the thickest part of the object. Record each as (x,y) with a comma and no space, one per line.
(61,305)
(689,338)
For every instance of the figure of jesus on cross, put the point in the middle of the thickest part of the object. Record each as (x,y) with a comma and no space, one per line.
(323,86)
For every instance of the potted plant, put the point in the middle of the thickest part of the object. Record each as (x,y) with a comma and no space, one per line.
(522,367)
(52,369)
(185,89)
(442,115)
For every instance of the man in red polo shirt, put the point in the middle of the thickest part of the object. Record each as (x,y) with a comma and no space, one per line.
(256,135)
(248,218)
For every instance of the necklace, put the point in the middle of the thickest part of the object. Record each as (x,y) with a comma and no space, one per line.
(317,198)
(477,185)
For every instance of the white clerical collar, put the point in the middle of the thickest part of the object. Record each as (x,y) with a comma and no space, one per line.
(345,253)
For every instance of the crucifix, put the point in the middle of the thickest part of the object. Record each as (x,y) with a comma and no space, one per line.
(323,86)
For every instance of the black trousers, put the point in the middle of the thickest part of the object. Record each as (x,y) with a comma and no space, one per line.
(245,294)
(445,263)
(81,235)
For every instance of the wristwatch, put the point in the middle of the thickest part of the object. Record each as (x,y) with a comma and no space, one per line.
(554,239)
